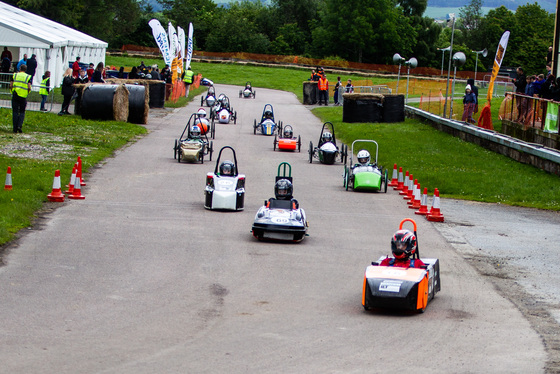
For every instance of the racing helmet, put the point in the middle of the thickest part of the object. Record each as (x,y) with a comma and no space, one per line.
(227,168)
(327,137)
(201,113)
(224,101)
(195,131)
(211,91)
(268,114)
(283,189)
(364,157)
(288,132)
(403,244)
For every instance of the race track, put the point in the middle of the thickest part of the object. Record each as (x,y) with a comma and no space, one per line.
(140,278)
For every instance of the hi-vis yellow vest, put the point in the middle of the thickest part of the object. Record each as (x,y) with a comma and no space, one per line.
(44,90)
(188,76)
(20,84)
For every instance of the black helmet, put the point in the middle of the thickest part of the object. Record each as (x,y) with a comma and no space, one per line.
(288,132)
(283,189)
(227,168)
(267,114)
(403,244)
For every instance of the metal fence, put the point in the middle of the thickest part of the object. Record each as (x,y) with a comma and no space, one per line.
(33,100)
(376,89)
(531,112)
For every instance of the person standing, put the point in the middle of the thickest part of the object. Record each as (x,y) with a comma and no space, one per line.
(155,73)
(76,68)
(98,74)
(188,79)
(67,91)
(45,89)
(323,90)
(520,83)
(90,71)
(23,61)
(336,88)
(469,102)
(20,87)
(31,66)
(349,87)
(6,53)
(82,79)
(6,60)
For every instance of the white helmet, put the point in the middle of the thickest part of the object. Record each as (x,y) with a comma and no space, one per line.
(201,113)
(364,157)
(195,131)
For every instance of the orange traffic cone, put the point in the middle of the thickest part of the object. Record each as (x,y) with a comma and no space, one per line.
(416,197)
(82,183)
(410,192)
(423,204)
(404,190)
(56,195)
(8,184)
(77,193)
(394,179)
(435,214)
(70,185)
(400,181)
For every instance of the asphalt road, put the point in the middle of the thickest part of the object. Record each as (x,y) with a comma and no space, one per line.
(140,278)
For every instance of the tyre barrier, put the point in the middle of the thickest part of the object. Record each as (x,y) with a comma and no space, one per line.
(157,94)
(105,102)
(138,104)
(362,107)
(393,108)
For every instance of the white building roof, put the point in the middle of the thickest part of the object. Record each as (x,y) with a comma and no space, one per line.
(19,28)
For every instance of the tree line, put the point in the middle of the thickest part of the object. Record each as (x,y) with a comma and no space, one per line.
(368,31)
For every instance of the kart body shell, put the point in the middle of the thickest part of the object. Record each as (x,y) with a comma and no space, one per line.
(369,177)
(398,287)
(280,220)
(224,192)
(223,112)
(327,152)
(287,143)
(210,98)
(247,92)
(191,149)
(267,124)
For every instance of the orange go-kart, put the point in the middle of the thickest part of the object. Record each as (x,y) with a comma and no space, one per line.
(286,141)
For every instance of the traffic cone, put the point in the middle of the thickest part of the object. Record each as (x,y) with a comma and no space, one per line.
(56,195)
(70,185)
(410,192)
(8,184)
(400,181)
(435,214)
(423,204)
(404,190)
(82,183)
(416,198)
(394,179)
(77,193)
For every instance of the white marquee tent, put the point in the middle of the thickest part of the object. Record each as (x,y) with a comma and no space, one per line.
(56,46)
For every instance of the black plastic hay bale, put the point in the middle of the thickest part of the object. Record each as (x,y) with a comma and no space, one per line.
(362,107)
(105,102)
(157,94)
(393,108)
(310,92)
(138,107)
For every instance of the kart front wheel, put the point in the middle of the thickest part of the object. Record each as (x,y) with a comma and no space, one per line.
(211,149)
(385,181)
(310,152)
(299,143)
(202,101)
(235,119)
(275,141)
(255,127)
(175,150)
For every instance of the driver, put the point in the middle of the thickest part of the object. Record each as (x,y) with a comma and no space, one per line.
(195,132)
(248,86)
(268,114)
(283,190)
(327,137)
(227,168)
(363,158)
(201,113)
(288,132)
(403,246)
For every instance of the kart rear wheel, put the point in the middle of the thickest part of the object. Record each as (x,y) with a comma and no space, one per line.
(202,101)
(213,132)
(299,143)
(254,94)
(240,93)
(255,127)
(385,181)
(310,152)
(179,153)
(275,141)
(235,119)
(175,150)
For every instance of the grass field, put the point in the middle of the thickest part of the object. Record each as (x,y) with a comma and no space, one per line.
(458,169)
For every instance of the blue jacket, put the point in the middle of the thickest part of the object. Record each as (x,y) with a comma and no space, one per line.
(469,98)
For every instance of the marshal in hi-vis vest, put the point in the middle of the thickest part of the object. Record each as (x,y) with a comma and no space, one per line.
(189,74)
(20,84)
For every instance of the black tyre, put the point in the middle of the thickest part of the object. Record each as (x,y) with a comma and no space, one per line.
(175,150)
(385,181)
(211,150)
(254,94)
(299,143)
(240,93)
(275,141)
(235,119)
(310,152)
(179,155)
(202,101)
(255,127)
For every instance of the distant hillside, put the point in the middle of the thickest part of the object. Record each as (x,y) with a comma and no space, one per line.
(548,5)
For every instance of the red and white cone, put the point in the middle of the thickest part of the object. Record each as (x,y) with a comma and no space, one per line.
(394,179)
(400,181)
(423,204)
(415,204)
(56,195)
(70,185)
(404,190)
(435,213)
(8,184)
(412,192)
(77,193)
(82,183)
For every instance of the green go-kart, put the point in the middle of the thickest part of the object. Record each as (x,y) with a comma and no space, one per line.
(365,177)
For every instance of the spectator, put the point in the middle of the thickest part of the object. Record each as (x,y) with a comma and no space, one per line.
(6,65)
(520,83)
(474,89)
(323,86)
(90,71)
(133,73)
(76,68)
(530,88)
(20,87)
(23,61)
(349,87)
(82,79)
(6,53)
(98,74)
(155,73)
(469,102)
(336,87)
(167,76)
(188,79)
(120,74)
(67,91)
(31,67)
(538,83)
(142,67)
(548,87)
(548,69)
(549,55)
(45,89)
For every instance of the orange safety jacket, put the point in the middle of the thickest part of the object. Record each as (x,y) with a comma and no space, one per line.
(323,84)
